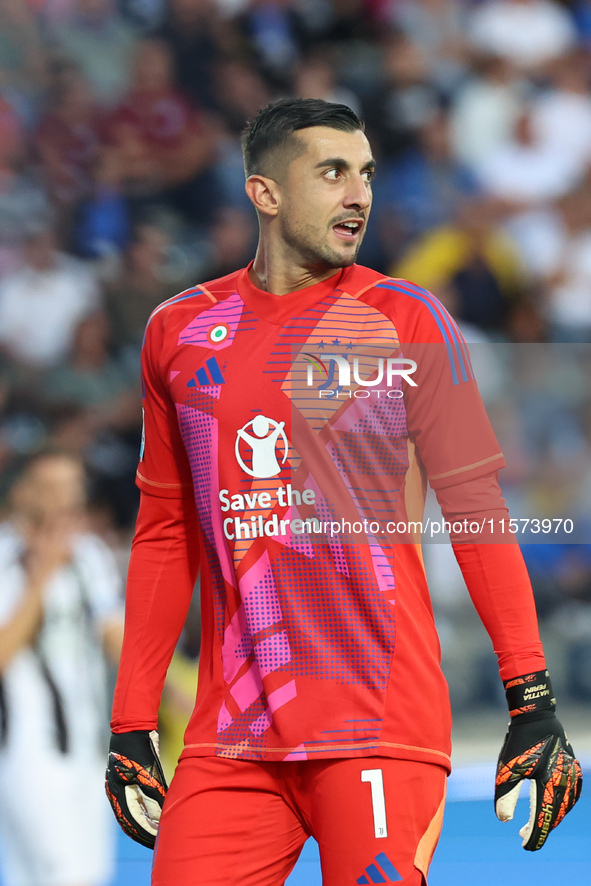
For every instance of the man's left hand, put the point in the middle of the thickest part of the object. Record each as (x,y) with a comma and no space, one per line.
(537,748)
(135,784)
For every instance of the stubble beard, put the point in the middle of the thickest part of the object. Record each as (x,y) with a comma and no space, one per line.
(303,240)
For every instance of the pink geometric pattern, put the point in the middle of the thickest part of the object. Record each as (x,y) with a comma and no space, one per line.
(275,700)
(282,695)
(272,653)
(259,611)
(258,726)
(203,458)
(227,312)
(258,591)
(237,645)
(247,689)
(336,548)
(298,753)
(300,543)
(224,718)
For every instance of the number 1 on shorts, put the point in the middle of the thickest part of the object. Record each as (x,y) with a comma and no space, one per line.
(378,800)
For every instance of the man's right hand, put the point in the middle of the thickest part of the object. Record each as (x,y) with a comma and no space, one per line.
(135,784)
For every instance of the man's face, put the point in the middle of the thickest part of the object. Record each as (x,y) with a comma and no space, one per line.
(53,488)
(326,197)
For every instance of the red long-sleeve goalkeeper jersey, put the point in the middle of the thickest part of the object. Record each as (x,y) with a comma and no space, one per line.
(302,430)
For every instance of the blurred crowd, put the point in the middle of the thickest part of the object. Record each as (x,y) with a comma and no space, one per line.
(121,183)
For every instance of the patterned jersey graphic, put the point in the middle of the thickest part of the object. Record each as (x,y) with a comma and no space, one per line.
(300,435)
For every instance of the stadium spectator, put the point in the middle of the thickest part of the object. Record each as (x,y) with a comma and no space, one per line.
(439,28)
(93,380)
(23,59)
(342,22)
(470,263)
(272,29)
(100,42)
(233,235)
(198,36)
(316,77)
(67,140)
(529,33)
(485,109)
(60,615)
(561,116)
(581,12)
(42,303)
(526,171)
(100,229)
(23,200)
(92,412)
(239,89)
(140,285)
(427,183)
(164,146)
(554,244)
(403,102)
(568,282)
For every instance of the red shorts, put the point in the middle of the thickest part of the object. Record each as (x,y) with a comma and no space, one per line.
(240,823)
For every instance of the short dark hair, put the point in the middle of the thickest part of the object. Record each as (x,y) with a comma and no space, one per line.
(28,462)
(274,125)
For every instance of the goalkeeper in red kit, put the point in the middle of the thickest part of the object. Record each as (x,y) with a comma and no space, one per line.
(290,408)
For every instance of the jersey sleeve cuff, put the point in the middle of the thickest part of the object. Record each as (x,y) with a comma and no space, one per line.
(163,490)
(467,472)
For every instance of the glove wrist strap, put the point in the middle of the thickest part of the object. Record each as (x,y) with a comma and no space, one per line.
(529,693)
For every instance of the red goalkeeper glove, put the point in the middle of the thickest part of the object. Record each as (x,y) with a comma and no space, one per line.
(135,784)
(536,748)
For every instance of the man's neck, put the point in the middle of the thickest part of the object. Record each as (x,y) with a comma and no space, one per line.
(274,274)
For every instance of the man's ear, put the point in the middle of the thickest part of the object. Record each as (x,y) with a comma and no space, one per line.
(264,194)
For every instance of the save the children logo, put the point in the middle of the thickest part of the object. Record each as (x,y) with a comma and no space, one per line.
(263,442)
